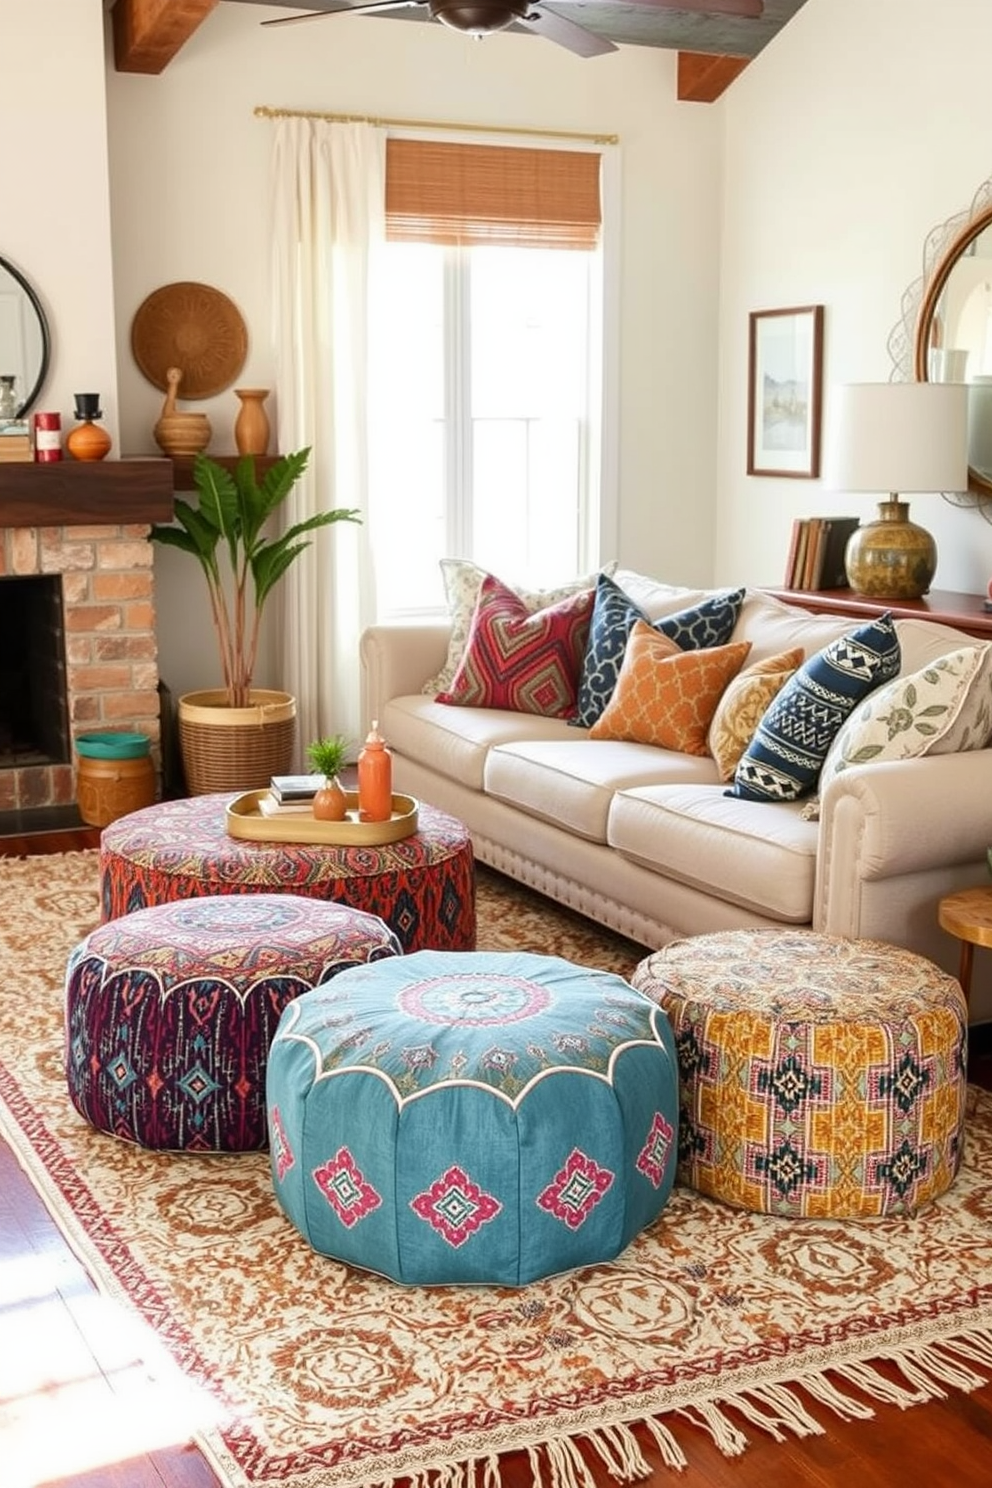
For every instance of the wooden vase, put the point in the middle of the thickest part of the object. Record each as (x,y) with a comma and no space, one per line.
(251,427)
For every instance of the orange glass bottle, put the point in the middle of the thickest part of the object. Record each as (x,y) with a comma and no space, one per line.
(375,778)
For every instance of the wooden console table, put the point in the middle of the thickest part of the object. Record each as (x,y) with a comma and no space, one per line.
(964,611)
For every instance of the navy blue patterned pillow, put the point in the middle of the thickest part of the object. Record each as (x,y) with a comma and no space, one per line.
(614,615)
(785,756)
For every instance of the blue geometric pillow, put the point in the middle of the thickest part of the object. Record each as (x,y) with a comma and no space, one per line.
(785,756)
(614,615)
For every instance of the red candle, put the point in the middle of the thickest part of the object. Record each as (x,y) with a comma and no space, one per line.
(47,436)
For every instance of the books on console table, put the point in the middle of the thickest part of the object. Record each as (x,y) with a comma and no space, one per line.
(816,552)
(286,788)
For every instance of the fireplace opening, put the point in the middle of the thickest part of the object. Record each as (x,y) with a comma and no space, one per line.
(34,708)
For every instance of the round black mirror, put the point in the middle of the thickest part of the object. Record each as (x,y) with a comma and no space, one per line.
(25,345)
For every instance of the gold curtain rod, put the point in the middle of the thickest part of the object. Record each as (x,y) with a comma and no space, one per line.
(262,111)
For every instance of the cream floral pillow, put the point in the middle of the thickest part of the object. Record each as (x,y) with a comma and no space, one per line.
(945,708)
(741,706)
(462,582)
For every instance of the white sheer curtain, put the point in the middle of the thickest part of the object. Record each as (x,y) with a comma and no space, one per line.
(328,217)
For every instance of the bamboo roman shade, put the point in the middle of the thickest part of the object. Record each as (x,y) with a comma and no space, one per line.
(476,194)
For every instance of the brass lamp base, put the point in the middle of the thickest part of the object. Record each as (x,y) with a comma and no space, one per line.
(891,558)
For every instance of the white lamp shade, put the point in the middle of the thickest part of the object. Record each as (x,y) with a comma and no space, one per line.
(898,436)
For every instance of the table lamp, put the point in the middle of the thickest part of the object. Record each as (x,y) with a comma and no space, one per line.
(896,437)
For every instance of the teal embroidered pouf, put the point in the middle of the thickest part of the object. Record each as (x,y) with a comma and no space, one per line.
(478,1117)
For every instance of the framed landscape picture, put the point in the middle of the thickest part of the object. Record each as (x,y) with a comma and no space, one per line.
(784,393)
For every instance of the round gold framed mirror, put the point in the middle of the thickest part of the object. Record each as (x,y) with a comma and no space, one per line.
(954,336)
(945,334)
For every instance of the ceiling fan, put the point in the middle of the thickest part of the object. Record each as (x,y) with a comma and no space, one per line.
(483,17)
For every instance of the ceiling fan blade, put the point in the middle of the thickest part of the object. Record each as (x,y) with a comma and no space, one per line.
(556,28)
(319,15)
(749,9)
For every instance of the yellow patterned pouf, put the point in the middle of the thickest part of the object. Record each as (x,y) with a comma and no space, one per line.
(820,1077)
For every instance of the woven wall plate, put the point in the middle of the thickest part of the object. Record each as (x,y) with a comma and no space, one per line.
(195,328)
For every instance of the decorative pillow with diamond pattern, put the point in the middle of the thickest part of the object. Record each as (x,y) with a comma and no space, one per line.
(785,757)
(462,582)
(666,696)
(524,661)
(614,615)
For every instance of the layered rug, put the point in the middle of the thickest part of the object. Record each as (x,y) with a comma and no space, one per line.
(299,1372)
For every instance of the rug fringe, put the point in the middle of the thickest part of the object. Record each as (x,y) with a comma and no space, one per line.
(776,1409)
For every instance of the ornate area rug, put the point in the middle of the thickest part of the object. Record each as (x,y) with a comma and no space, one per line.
(306,1374)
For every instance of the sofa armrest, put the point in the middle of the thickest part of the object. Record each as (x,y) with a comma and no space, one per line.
(396,660)
(893,820)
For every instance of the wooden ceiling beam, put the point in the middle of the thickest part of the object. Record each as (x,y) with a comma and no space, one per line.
(149,33)
(702,78)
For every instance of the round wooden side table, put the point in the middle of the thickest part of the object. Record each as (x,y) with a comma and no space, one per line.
(968,916)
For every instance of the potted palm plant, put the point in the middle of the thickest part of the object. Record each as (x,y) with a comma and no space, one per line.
(238,736)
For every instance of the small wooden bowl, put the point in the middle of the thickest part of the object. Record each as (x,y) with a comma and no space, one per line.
(183,433)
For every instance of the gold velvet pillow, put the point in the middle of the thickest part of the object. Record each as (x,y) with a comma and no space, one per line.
(667,696)
(739,710)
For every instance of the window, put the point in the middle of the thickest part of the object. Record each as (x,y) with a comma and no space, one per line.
(486,391)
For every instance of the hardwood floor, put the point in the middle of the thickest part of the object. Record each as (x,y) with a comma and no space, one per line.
(75,1409)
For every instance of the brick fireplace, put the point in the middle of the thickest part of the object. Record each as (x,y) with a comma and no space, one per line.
(87,525)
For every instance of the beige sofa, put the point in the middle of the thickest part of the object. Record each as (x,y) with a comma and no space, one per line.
(646,841)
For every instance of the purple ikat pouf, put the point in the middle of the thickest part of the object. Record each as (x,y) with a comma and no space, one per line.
(451,1118)
(170,1011)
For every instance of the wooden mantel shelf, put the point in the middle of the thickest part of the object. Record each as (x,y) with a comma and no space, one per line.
(75,493)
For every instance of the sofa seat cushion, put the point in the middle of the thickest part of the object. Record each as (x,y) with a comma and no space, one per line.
(455,741)
(756,854)
(572,784)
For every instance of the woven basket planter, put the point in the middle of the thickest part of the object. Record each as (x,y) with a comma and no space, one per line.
(235,749)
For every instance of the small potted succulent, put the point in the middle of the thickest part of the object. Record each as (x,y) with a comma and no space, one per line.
(328,757)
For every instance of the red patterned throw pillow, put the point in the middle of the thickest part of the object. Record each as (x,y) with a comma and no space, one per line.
(520,659)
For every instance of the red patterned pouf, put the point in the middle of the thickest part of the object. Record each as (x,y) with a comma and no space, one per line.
(422,886)
(170,1012)
(819,1077)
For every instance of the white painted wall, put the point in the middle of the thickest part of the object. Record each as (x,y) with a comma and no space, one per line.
(189,171)
(55,223)
(863,126)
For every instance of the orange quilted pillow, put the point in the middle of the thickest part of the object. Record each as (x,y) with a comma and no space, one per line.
(739,711)
(664,697)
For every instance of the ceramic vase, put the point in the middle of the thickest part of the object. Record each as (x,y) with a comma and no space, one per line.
(331,801)
(251,427)
(88,440)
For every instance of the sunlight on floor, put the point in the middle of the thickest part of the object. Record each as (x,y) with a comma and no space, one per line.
(83,1383)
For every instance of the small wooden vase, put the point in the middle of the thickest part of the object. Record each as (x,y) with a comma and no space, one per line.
(251,427)
(331,801)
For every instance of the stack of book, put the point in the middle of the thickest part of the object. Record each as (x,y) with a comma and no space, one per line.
(816,552)
(290,795)
(15,440)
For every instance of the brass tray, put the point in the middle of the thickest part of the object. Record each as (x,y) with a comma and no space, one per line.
(193,327)
(245,820)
